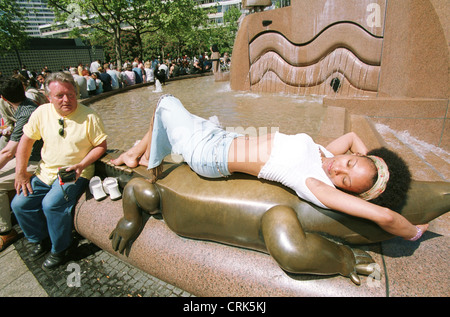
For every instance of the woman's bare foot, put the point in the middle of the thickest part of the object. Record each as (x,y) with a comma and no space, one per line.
(143,160)
(139,153)
(126,158)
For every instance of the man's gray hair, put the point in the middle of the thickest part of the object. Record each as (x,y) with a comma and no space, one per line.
(61,77)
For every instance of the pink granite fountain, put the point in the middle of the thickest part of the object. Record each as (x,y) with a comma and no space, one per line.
(383,59)
(376,62)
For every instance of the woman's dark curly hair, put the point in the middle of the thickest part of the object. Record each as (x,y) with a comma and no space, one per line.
(394,197)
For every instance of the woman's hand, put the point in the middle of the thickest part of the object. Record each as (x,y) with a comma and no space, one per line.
(420,230)
(423,227)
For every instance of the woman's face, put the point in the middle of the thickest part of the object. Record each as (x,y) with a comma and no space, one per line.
(351,173)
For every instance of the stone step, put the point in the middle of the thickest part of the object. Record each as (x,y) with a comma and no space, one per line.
(366,131)
(426,162)
(337,121)
(334,124)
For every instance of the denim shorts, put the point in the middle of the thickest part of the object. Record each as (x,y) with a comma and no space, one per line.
(203,145)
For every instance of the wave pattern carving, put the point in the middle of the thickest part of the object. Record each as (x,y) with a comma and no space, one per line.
(340,61)
(365,46)
(343,60)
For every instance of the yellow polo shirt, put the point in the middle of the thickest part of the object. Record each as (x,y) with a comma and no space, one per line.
(83,130)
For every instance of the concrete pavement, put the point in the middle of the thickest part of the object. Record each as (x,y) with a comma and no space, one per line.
(89,272)
(15,277)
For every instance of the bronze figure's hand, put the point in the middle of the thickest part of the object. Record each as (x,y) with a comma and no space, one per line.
(124,232)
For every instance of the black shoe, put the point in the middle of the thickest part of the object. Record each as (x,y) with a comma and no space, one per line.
(54,260)
(39,250)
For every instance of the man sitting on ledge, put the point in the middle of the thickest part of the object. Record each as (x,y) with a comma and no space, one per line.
(74,138)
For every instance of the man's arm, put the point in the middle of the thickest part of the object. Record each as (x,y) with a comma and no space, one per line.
(90,158)
(23,153)
(8,152)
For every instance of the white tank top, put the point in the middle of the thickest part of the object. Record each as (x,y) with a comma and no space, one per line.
(293,159)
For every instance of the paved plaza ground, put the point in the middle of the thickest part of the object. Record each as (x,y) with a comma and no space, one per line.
(100,275)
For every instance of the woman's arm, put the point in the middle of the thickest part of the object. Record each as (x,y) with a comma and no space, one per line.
(348,142)
(387,219)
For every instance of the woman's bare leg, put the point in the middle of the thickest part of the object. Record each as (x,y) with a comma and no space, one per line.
(145,155)
(131,158)
(138,154)
(156,171)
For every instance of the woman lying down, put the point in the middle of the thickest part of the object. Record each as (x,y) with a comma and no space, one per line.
(364,184)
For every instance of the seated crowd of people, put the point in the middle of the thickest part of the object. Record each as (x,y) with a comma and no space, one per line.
(97,77)
(27,91)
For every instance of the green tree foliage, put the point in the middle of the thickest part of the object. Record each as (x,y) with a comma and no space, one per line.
(166,18)
(145,28)
(12,27)
(108,22)
(105,17)
(225,35)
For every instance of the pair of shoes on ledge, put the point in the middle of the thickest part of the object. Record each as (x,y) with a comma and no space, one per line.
(100,189)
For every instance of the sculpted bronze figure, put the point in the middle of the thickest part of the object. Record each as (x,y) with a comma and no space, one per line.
(260,215)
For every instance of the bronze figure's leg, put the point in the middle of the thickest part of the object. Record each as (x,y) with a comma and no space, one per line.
(138,195)
(299,252)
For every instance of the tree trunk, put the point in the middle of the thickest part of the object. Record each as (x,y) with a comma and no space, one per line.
(117,47)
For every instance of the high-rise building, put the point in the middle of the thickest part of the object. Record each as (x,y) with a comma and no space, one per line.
(217,8)
(36,13)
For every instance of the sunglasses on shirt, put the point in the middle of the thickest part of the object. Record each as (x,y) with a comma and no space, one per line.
(61,123)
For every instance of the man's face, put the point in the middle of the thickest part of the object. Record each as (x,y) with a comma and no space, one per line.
(41,79)
(63,97)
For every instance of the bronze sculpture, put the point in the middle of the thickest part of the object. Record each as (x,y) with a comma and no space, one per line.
(246,212)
